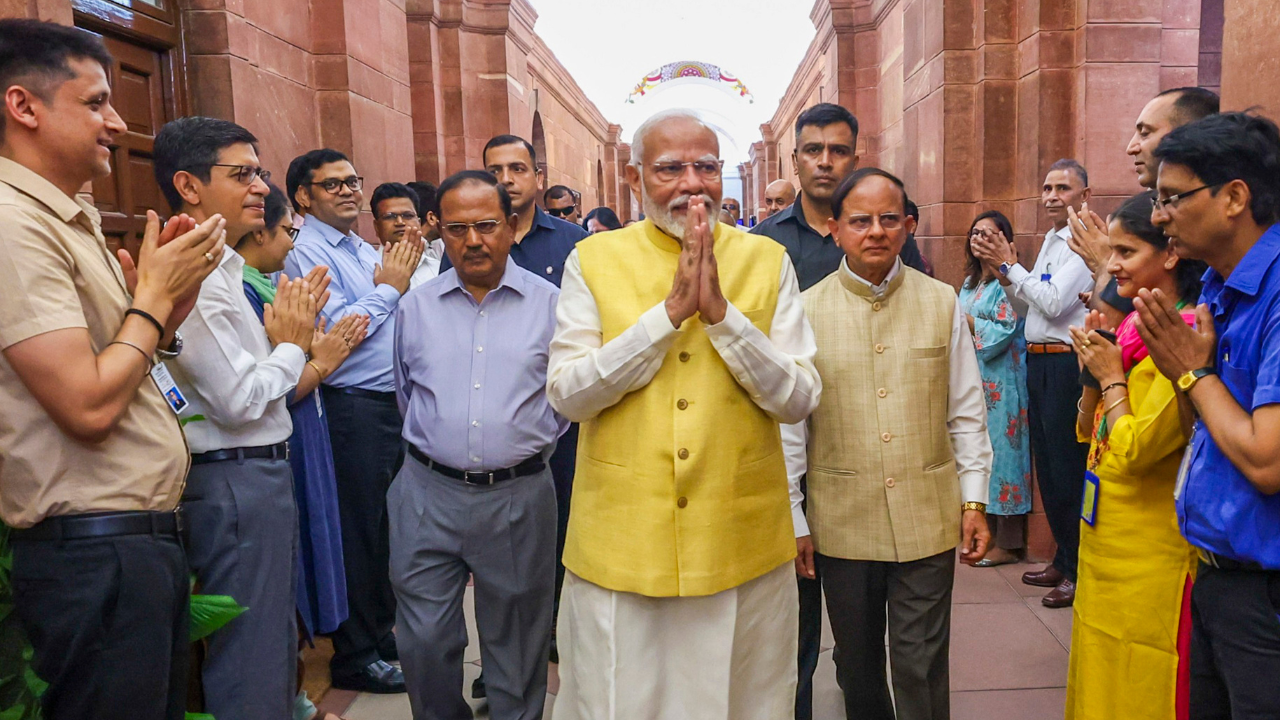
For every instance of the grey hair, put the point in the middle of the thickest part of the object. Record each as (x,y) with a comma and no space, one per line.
(637,140)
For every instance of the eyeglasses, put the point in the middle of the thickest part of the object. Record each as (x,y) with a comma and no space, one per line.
(293,232)
(246,174)
(561,212)
(1172,201)
(461,230)
(405,216)
(669,171)
(332,185)
(864,223)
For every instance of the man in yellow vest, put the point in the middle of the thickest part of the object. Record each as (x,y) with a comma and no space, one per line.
(898,458)
(680,345)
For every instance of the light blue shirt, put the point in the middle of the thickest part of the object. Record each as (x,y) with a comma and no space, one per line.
(351,262)
(471,378)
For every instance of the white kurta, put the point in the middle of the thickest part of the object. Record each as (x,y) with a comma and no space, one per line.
(728,656)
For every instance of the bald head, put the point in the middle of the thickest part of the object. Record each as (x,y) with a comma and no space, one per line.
(778,196)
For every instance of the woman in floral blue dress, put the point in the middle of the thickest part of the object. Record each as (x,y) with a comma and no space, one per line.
(997,336)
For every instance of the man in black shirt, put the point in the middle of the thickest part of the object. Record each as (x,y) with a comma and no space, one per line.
(826,136)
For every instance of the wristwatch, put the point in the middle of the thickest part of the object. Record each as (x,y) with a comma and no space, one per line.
(1004,268)
(980,507)
(1188,380)
(174,349)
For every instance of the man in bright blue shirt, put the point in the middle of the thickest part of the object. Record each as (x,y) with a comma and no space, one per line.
(476,497)
(1218,199)
(364,423)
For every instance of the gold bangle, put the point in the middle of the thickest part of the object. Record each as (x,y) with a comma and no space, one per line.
(150,362)
(317,369)
(1116,404)
(980,507)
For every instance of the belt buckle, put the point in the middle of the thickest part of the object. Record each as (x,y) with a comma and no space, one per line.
(483,478)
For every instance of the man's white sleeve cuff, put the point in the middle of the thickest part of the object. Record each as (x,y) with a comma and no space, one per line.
(799,521)
(1017,274)
(657,323)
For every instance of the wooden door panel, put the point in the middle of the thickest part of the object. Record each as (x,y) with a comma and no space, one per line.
(140,78)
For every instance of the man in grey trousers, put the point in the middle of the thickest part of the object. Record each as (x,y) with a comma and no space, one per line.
(230,388)
(475,495)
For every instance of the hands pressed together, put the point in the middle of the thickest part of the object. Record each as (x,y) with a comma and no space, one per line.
(172,263)
(330,349)
(1175,347)
(399,261)
(696,287)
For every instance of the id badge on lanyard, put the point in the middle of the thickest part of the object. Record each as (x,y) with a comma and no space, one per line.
(1089,506)
(169,388)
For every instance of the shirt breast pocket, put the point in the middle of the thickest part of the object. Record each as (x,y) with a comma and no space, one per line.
(1241,382)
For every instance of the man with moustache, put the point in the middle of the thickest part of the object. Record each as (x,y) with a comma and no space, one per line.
(395,208)
(561,201)
(680,346)
(236,376)
(778,196)
(475,498)
(897,458)
(1218,199)
(826,152)
(1048,296)
(364,421)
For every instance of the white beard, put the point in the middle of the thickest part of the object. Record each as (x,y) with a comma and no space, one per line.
(664,217)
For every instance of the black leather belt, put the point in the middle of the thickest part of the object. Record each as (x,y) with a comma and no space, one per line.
(1226,563)
(529,466)
(362,393)
(102,525)
(279,451)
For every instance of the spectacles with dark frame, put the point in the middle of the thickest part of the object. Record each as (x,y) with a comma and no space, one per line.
(563,212)
(864,223)
(461,230)
(246,174)
(293,232)
(405,216)
(333,185)
(667,171)
(1160,203)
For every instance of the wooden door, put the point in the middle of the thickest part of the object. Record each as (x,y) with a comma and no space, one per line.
(147,82)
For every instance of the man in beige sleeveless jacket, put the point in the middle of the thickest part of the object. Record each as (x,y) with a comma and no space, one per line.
(897,458)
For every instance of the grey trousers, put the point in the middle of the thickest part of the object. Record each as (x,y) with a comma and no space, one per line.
(504,535)
(915,597)
(243,534)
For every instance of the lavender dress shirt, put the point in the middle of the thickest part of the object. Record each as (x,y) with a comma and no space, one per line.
(471,378)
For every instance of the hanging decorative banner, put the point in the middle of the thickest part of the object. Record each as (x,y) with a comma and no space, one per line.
(683,70)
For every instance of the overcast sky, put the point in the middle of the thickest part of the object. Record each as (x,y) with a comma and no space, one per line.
(609,45)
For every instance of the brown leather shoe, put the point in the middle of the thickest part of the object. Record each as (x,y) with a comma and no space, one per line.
(1060,597)
(1049,577)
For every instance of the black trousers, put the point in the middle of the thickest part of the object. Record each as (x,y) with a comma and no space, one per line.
(915,599)
(563,462)
(367,454)
(1053,388)
(810,632)
(108,620)
(1235,644)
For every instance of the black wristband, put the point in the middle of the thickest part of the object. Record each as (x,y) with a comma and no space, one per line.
(148,317)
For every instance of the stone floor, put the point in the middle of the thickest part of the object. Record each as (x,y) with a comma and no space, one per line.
(1008,658)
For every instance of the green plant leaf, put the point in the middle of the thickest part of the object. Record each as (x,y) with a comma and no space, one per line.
(190,716)
(182,422)
(210,612)
(16,712)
